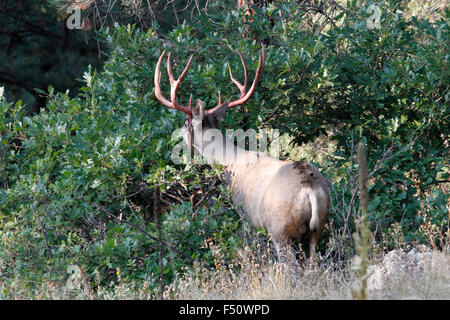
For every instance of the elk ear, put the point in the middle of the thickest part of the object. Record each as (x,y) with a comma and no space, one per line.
(198,111)
(217,117)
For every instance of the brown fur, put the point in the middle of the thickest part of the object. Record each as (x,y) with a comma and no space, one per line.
(279,196)
(306,174)
(289,199)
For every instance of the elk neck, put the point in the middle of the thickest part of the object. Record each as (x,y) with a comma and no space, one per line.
(215,147)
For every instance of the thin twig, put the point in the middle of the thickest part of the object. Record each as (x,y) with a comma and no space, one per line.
(157,214)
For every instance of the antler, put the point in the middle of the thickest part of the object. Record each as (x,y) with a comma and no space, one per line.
(245,94)
(173,104)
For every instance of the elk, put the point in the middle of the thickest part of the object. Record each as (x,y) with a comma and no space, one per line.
(289,199)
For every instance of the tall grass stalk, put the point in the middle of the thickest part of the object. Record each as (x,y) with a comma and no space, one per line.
(361,236)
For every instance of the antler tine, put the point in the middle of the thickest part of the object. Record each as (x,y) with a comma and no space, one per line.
(169,69)
(190,103)
(242,88)
(173,85)
(157,80)
(244,96)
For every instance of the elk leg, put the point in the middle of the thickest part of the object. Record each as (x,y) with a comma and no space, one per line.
(281,246)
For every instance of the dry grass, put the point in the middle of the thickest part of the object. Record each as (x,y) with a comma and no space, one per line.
(254,276)
(263,277)
(417,274)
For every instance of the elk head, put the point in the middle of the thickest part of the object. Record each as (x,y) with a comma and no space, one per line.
(199,118)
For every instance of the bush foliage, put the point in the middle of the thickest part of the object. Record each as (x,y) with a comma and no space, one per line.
(76,178)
